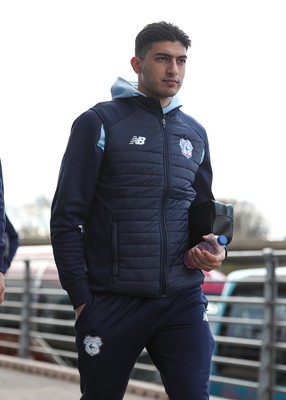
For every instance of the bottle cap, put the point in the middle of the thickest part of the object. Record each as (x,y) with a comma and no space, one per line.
(222,240)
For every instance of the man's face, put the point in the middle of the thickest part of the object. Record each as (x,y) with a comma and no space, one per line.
(161,72)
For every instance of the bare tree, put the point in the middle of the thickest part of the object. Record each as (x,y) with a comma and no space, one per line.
(248,221)
(32,220)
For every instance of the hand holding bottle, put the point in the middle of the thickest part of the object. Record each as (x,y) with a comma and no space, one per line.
(213,244)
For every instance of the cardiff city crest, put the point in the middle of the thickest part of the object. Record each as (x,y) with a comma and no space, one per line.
(92,345)
(186,147)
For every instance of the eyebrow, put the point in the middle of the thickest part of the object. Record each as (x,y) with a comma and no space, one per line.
(170,55)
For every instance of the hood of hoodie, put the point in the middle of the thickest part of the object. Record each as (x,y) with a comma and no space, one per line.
(122,88)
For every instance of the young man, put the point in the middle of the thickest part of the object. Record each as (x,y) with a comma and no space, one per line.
(2,241)
(119,228)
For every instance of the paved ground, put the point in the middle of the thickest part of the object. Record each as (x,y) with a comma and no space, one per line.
(33,380)
(18,385)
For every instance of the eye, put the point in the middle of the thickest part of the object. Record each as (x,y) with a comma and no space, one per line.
(162,58)
(182,61)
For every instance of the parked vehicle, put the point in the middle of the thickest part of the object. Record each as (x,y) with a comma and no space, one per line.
(238,344)
(213,286)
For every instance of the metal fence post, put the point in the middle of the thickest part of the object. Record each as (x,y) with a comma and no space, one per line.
(26,312)
(265,378)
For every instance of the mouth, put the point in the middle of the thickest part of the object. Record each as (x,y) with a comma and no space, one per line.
(171,81)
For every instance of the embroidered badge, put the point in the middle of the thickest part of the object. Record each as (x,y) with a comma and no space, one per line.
(92,345)
(186,147)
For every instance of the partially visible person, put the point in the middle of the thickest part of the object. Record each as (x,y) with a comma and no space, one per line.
(2,241)
(12,243)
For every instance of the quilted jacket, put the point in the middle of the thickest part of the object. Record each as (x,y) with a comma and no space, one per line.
(119,221)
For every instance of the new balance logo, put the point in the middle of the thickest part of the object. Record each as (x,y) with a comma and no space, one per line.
(138,140)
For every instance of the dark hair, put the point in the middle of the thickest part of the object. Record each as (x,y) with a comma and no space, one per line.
(159,32)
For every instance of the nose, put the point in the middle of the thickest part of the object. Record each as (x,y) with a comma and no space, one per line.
(173,67)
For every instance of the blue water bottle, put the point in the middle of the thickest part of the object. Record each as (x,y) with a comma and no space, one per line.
(214,245)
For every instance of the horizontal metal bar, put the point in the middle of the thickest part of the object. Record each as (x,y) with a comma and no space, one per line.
(235,361)
(232,381)
(238,341)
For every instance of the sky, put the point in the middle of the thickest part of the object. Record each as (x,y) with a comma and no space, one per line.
(60,57)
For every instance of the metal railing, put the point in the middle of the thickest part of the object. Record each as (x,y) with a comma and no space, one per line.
(36,320)
(260,370)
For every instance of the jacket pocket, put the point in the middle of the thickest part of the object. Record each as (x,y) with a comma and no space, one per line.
(115,266)
(84,311)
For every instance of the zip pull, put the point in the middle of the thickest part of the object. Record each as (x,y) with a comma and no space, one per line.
(81,229)
(164,123)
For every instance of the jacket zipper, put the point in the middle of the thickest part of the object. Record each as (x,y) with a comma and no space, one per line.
(164,241)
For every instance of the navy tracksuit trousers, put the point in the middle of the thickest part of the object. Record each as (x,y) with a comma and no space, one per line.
(113,329)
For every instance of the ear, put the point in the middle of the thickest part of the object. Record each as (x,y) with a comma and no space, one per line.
(136,65)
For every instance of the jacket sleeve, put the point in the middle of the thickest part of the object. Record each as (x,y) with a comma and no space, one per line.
(203,181)
(70,207)
(12,243)
(2,221)
(204,176)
